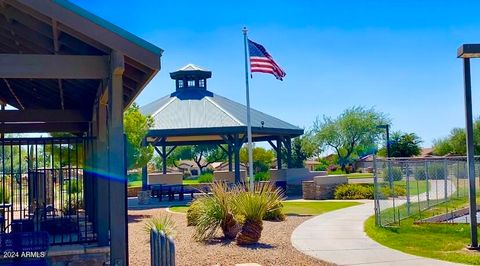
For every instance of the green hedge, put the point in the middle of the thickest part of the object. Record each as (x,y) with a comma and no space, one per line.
(206,178)
(354,191)
(396,174)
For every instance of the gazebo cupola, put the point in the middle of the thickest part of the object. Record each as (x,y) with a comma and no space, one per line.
(191,77)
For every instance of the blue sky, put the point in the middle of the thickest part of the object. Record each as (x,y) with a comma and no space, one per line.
(397,57)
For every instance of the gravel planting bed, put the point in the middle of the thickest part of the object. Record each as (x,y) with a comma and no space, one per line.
(274,248)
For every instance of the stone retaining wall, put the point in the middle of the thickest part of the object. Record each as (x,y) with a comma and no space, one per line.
(78,255)
(322,187)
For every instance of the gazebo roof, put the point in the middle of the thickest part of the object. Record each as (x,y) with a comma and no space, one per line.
(196,112)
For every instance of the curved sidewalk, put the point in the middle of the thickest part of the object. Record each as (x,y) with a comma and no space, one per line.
(338,237)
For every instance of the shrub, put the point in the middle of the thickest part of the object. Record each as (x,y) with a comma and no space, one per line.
(73,186)
(194,211)
(275,214)
(321,167)
(161,223)
(332,168)
(4,195)
(134,177)
(354,191)
(436,171)
(420,173)
(395,172)
(206,178)
(254,206)
(73,204)
(386,191)
(216,211)
(336,172)
(262,176)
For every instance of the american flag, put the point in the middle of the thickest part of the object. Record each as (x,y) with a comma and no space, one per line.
(262,61)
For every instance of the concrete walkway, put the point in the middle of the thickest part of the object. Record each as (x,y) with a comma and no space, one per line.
(338,237)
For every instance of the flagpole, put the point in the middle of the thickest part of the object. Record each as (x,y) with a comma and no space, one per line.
(249,124)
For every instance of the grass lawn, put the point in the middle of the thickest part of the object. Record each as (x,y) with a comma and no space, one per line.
(139,183)
(314,207)
(440,241)
(359,175)
(298,208)
(135,183)
(416,187)
(191,182)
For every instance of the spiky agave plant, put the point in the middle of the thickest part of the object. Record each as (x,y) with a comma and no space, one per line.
(254,205)
(215,211)
(161,223)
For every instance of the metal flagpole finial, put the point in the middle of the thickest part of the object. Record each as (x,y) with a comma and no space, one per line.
(244,30)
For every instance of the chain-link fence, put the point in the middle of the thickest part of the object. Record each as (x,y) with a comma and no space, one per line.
(408,187)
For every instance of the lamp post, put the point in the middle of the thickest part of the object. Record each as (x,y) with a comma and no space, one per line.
(467,51)
(386,127)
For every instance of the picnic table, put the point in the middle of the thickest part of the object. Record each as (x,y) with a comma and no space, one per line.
(170,191)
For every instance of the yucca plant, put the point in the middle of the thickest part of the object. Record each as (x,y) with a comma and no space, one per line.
(161,223)
(254,205)
(216,211)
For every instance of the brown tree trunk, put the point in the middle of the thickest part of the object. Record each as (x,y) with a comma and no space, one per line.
(250,233)
(230,227)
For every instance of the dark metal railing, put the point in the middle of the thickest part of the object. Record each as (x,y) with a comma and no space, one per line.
(42,188)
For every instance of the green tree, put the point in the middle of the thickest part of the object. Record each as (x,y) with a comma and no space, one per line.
(355,127)
(203,155)
(403,145)
(262,158)
(136,126)
(303,147)
(455,142)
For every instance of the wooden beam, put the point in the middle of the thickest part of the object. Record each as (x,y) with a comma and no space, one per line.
(53,66)
(43,115)
(13,94)
(134,49)
(43,127)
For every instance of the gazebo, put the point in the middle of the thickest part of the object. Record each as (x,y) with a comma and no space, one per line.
(65,70)
(194,115)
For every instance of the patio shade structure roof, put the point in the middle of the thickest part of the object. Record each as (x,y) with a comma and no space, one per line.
(67,70)
(194,115)
(64,54)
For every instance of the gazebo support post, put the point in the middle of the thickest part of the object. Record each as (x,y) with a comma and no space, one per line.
(236,150)
(278,151)
(116,164)
(144,170)
(288,144)
(164,158)
(230,168)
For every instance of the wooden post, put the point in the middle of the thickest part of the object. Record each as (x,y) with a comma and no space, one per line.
(288,142)
(236,151)
(101,180)
(279,153)
(116,164)
(164,158)
(229,151)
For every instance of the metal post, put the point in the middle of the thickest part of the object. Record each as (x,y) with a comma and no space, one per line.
(249,124)
(279,153)
(376,201)
(470,153)
(407,168)
(144,170)
(388,140)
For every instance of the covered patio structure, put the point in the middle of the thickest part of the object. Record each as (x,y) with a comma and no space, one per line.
(69,72)
(192,115)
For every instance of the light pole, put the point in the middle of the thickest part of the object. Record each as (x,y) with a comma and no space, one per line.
(467,51)
(386,127)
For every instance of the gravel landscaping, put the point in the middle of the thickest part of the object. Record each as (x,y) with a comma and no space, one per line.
(274,248)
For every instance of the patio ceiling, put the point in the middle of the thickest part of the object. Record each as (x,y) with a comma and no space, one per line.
(57,27)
